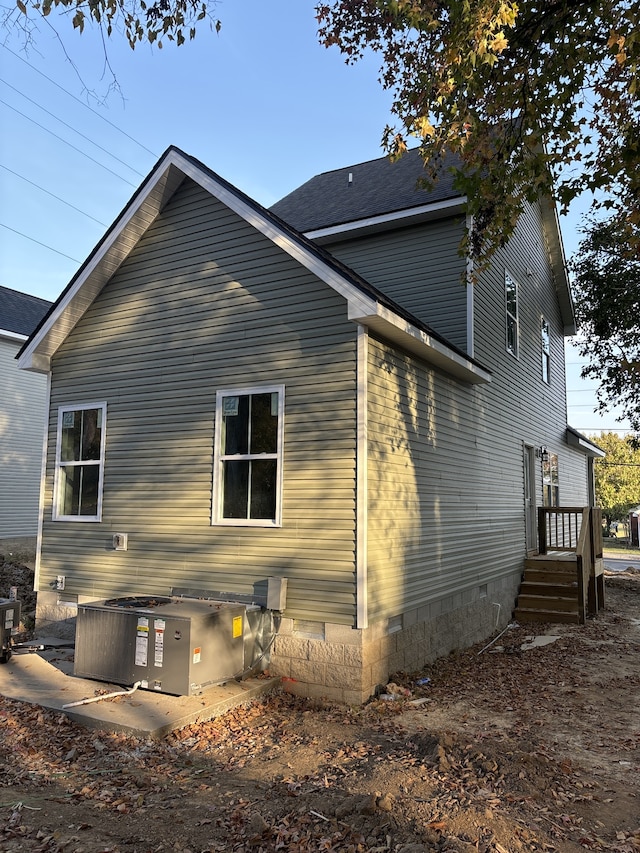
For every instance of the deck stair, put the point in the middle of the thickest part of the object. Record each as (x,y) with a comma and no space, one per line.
(549,589)
(564,581)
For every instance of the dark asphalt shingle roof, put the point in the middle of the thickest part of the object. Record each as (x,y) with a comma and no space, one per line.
(20,312)
(377,187)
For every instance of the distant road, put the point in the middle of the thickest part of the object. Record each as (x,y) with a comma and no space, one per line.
(619,564)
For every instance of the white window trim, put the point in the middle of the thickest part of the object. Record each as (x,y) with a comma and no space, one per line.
(56,515)
(216,514)
(509,316)
(554,490)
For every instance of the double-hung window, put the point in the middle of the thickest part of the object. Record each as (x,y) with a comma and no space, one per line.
(247,481)
(546,350)
(79,462)
(550,480)
(511,305)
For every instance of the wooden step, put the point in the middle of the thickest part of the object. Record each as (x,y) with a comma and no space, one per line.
(539,564)
(548,603)
(550,577)
(555,616)
(555,590)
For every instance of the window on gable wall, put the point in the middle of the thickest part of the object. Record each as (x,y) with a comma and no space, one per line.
(550,482)
(79,463)
(546,350)
(511,305)
(248,457)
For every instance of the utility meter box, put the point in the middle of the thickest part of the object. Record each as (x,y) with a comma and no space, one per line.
(9,623)
(171,645)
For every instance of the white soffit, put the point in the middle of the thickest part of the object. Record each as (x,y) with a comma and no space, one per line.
(425,346)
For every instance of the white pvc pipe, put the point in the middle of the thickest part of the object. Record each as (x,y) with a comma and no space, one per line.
(105,696)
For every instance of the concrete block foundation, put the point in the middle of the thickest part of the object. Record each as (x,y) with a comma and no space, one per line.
(349,664)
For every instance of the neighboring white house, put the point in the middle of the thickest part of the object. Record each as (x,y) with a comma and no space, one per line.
(23,399)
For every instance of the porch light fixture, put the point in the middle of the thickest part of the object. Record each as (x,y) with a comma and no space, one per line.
(543,453)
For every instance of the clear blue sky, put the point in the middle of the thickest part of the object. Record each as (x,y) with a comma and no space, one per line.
(261,103)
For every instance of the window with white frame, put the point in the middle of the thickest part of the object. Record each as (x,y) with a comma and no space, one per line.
(511,305)
(247,482)
(546,350)
(550,480)
(79,468)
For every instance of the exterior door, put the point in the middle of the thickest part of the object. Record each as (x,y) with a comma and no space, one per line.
(530,499)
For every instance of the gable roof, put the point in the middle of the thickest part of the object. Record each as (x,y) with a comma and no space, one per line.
(366,191)
(375,195)
(365,303)
(20,313)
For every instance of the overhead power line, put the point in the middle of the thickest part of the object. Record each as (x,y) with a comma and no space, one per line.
(70,127)
(53,195)
(75,148)
(99,115)
(602,429)
(80,101)
(44,245)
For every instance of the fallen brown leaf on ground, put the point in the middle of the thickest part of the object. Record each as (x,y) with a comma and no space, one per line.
(495,749)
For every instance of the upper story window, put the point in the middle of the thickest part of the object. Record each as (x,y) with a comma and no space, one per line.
(550,480)
(247,488)
(79,467)
(511,305)
(546,350)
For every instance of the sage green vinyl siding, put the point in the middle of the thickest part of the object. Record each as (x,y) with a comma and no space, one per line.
(523,404)
(421,269)
(205,302)
(442,516)
(445,459)
(22,420)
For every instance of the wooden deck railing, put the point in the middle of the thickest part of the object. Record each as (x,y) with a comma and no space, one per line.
(577,529)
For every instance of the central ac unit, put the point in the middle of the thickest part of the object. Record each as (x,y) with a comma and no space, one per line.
(171,645)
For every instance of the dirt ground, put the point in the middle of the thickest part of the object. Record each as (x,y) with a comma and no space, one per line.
(502,749)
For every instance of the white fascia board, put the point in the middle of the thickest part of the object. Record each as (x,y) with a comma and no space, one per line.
(97,271)
(362,308)
(280,238)
(557,257)
(400,217)
(134,221)
(574,439)
(424,345)
(12,336)
(36,363)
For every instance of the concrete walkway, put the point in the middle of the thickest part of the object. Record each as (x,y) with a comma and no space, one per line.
(29,677)
(46,678)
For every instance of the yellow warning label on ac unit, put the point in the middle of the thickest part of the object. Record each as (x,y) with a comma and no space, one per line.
(237,626)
